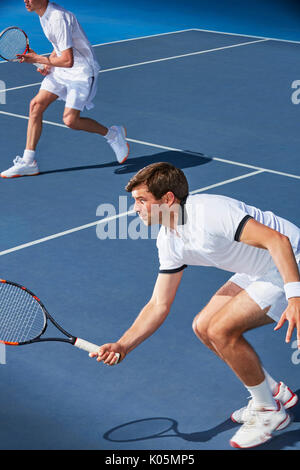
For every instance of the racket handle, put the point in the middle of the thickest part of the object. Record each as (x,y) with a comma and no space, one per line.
(39,66)
(90,347)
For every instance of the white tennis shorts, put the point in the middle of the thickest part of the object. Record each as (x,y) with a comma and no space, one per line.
(76,94)
(266,291)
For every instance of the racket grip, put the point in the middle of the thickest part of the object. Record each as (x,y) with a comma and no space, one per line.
(90,347)
(39,66)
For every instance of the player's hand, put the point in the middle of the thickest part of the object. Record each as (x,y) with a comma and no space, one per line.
(45,70)
(30,58)
(292,316)
(107,353)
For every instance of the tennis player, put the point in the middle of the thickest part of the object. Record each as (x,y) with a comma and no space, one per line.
(71,73)
(263,252)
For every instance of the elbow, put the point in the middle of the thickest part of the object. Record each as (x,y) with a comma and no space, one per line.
(162,308)
(69,63)
(283,238)
(279,241)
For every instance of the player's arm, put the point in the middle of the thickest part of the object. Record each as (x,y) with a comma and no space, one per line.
(279,247)
(147,322)
(66,59)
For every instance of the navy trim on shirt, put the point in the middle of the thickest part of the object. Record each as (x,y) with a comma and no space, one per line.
(242,224)
(172,271)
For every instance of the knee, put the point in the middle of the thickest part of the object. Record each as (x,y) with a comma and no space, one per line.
(221,336)
(36,108)
(200,328)
(70,121)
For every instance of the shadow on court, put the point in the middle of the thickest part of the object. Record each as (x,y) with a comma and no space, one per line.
(179,159)
(162,427)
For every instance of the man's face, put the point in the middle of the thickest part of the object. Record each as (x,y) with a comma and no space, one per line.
(33,5)
(146,206)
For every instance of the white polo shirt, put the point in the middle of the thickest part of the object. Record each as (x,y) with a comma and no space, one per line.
(210,234)
(62,29)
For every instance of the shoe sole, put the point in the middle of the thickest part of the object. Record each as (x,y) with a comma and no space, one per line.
(18,176)
(280,426)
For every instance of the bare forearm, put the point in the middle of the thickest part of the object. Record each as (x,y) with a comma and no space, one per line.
(149,320)
(56,61)
(282,253)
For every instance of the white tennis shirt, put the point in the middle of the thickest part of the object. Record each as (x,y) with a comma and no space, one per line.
(209,236)
(62,29)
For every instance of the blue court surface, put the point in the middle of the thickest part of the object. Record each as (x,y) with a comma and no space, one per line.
(221,106)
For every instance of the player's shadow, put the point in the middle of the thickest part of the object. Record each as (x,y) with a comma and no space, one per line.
(162,427)
(179,159)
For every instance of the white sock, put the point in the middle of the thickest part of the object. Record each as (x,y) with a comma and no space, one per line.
(272,383)
(262,396)
(111,134)
(28,156)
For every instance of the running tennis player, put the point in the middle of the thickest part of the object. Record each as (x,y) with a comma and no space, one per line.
(262,249)
(71,73)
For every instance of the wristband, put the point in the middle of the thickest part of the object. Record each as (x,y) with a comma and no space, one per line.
(292,289)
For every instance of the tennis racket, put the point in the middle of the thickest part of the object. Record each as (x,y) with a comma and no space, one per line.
(24,320)
(14,41)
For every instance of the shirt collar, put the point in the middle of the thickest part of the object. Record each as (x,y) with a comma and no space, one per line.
(47,12)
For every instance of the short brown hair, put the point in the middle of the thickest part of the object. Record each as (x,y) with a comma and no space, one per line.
(160,178)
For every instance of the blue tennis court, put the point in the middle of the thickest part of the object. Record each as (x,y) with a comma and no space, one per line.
(218,105)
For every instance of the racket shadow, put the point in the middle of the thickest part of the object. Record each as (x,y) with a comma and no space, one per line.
(159,427)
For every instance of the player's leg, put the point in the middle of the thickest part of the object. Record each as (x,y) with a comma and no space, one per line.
(38,106)
(225,332)
(27,166)
(115,135)
(203,318)
(74,120)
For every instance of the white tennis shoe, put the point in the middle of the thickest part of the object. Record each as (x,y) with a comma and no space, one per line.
(118,143)
(20,168)
(283,394)
(260,426)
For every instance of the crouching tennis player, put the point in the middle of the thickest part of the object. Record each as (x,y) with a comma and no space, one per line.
(264,252)
(71,74)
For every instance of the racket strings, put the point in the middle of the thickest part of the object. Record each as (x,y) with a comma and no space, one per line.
(12,42)
(21,316)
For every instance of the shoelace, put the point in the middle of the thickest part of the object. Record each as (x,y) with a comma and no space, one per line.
(18,161)
(248,407)
(113,139)
(255,417)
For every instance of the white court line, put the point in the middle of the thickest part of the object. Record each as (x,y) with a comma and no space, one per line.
(118,216)
(225,33)
(231,180)
(144,37)
(127,40)
(173,149)
(154,61)
(245,35)
(217,159)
